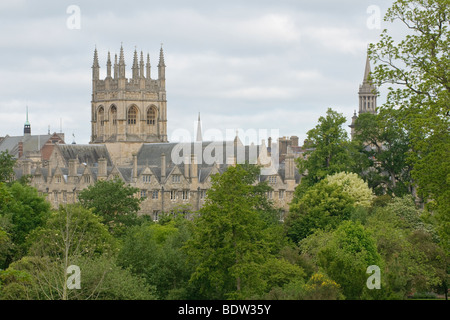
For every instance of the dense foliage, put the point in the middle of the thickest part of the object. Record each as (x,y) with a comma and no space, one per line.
(379,200)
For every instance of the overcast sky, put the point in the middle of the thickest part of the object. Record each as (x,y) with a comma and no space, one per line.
(247,64)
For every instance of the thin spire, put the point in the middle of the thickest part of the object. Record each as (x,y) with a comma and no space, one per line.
(135,67)
(116,69)
(27,126)
(199,130)
(121,58)
(148,66)
(161,66)
(135,58)
(141,66)
(161,57)
(121,63)
(367,70)
(27,122)
(108,66)
(96,64)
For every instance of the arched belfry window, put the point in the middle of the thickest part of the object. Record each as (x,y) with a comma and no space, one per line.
(114,115)
(151,116)
(132,115)
(101,116)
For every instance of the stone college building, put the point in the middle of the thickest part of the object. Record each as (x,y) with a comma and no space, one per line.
(129,142)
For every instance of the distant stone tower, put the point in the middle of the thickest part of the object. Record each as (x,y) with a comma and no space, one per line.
(367,97)
(128,110)
(367,93)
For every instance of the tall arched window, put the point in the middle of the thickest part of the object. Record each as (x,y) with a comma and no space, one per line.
(114,115)
(132,115)
(101,116)
(151,116)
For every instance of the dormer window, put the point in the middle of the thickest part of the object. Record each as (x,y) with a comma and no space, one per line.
(146,178)
(273,179)
(176,178)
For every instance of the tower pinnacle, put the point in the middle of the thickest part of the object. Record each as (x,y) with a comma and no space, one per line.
(367,92)
(161,65)
(199,130)
(121,63)
(95,66)
(27,126)
(148,66)
(108,66)
(367,71)
(135,67)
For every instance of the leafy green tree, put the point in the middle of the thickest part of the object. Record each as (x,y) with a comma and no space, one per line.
(5,248)
(71,233)
(347,255)
(409,247)
(22,210)
(329,149)
(28,211)
(418,67)
(229,243)
(386,144)
(154,251)
(36,278)
(318,287)
(326,204)
(323,206)
(114,201)
(354,186)
(7,163)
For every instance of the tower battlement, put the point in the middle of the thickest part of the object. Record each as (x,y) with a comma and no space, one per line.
(128,109)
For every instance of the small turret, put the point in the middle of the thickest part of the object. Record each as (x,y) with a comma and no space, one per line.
(121,63)
(108,66)
(95,66)
(199,129)
(116,67)
(141,66)
(27,126)
(148,66)
(135,67)
(161,66)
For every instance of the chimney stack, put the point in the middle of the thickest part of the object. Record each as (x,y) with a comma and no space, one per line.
(163,167)
(102,168)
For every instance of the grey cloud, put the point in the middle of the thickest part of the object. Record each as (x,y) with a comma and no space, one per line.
(240,63)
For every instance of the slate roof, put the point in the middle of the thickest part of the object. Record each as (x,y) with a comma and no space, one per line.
(150,154)
(86,153)
(31,143)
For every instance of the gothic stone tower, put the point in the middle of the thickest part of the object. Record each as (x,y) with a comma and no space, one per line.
(129,110)
(367,93)
(367,97)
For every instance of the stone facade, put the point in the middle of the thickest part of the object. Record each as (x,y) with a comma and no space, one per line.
(132,109)
(164,183)
(129,142)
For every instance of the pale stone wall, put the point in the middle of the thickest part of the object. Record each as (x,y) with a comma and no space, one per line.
(121,153)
